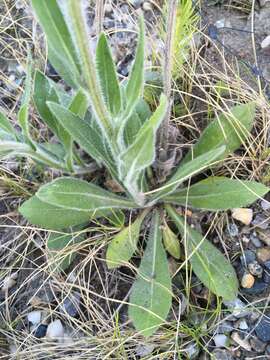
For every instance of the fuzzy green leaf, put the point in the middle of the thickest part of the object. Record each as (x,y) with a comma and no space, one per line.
(171,242)
(58,245)
(188,170)
(74,194)
(107,76)
(124,244)
(231,130)
(208,263)
(218,193)
(62,54)
(135,85)
(151,297)
(6,126)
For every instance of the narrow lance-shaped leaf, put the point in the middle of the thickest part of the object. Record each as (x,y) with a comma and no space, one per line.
(218,193)
(171,242)
(75,194)
(135,83)
(124,244)
(6,126)
(230,130)
(62,54)
(108,76)
(151,294)
(188,170)
(208,263)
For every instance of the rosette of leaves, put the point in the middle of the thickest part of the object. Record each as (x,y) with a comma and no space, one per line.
(112,123)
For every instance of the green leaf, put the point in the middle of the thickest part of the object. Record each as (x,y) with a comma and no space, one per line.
(135,85)
(52,217)
(188,170)
(60,252)
(85,134)
(229,129)
(108,76)
(171,242)
(218,193)
(151,294)
(208,263)
(79,195)
(62,54)
(79,104)
(141,153)
(124,244)
(6,126)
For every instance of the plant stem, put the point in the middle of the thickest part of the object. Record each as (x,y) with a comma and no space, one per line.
(99,16)
(88,65)
(167,75)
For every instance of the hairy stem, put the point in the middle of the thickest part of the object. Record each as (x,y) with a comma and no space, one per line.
(99,16)
(167,71)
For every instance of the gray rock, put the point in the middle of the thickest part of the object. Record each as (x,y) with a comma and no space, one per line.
(220,340)
(237,307)
(143,350)
(71,304)
(192,350)
(255,268)
(222,355)
(257,345)
(40,331)
(261,221)
(233,230)
(267,264)
(265,205)
(255,241)
(248,257)
(259,287)
(136,3)
(262,329)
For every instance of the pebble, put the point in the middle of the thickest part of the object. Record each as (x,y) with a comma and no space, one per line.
(147,6)
(243,325)
(263,254)
(264,235)
(247,281)
(257,345)
(255,268)
(41,331)
(262,330)
(265,205)
(55,329)
(237,307)
(220,340)
(143,350)
(267,265)
(255,241)
(136,3)
(8,282)
(233,230)
(258,288)
(248,257)
(34,317)
(244,215)
(244,343)
(108,9)
(222,355)
(266,42)
(225,327)
(261,222)
(192,350)
(72,304)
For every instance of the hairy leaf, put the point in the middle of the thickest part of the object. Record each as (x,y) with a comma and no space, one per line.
(150,299)
(6,126)
(188,170)
(218,193)
(124,244)
(107,76)
(62,54)
(230,129)
(75,194)
(208,263)
(171,242)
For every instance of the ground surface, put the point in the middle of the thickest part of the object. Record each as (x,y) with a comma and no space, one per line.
(86,299)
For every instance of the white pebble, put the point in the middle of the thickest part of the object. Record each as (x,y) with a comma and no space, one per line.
(8,282)
(34,317)
(55,330)
(266,42)
(147,6)
(243,325)
(244,215)
(220,23)
(220,340)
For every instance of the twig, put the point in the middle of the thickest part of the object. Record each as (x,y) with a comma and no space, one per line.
(167,70)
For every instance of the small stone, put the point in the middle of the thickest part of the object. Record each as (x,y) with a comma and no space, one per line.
(220,23)
(267,265)
(237,307)
(257,345)
(136,3)
(244,343)
(261,222)
(225,327)
(222,355)
(147,6)
(255,268)
(220,340)
(244,215)
(264,235)
(40,331)
(262,329)
(71,304)
(263,254)
(258,288)
(8,283)
(34,317)
(267,350)
(243,325)
(255,241)
(192,351)
(265,205)
(55,330)
(266,42)
(143,350)
(247,257)
(247,281)
(108,8)
(233,230)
